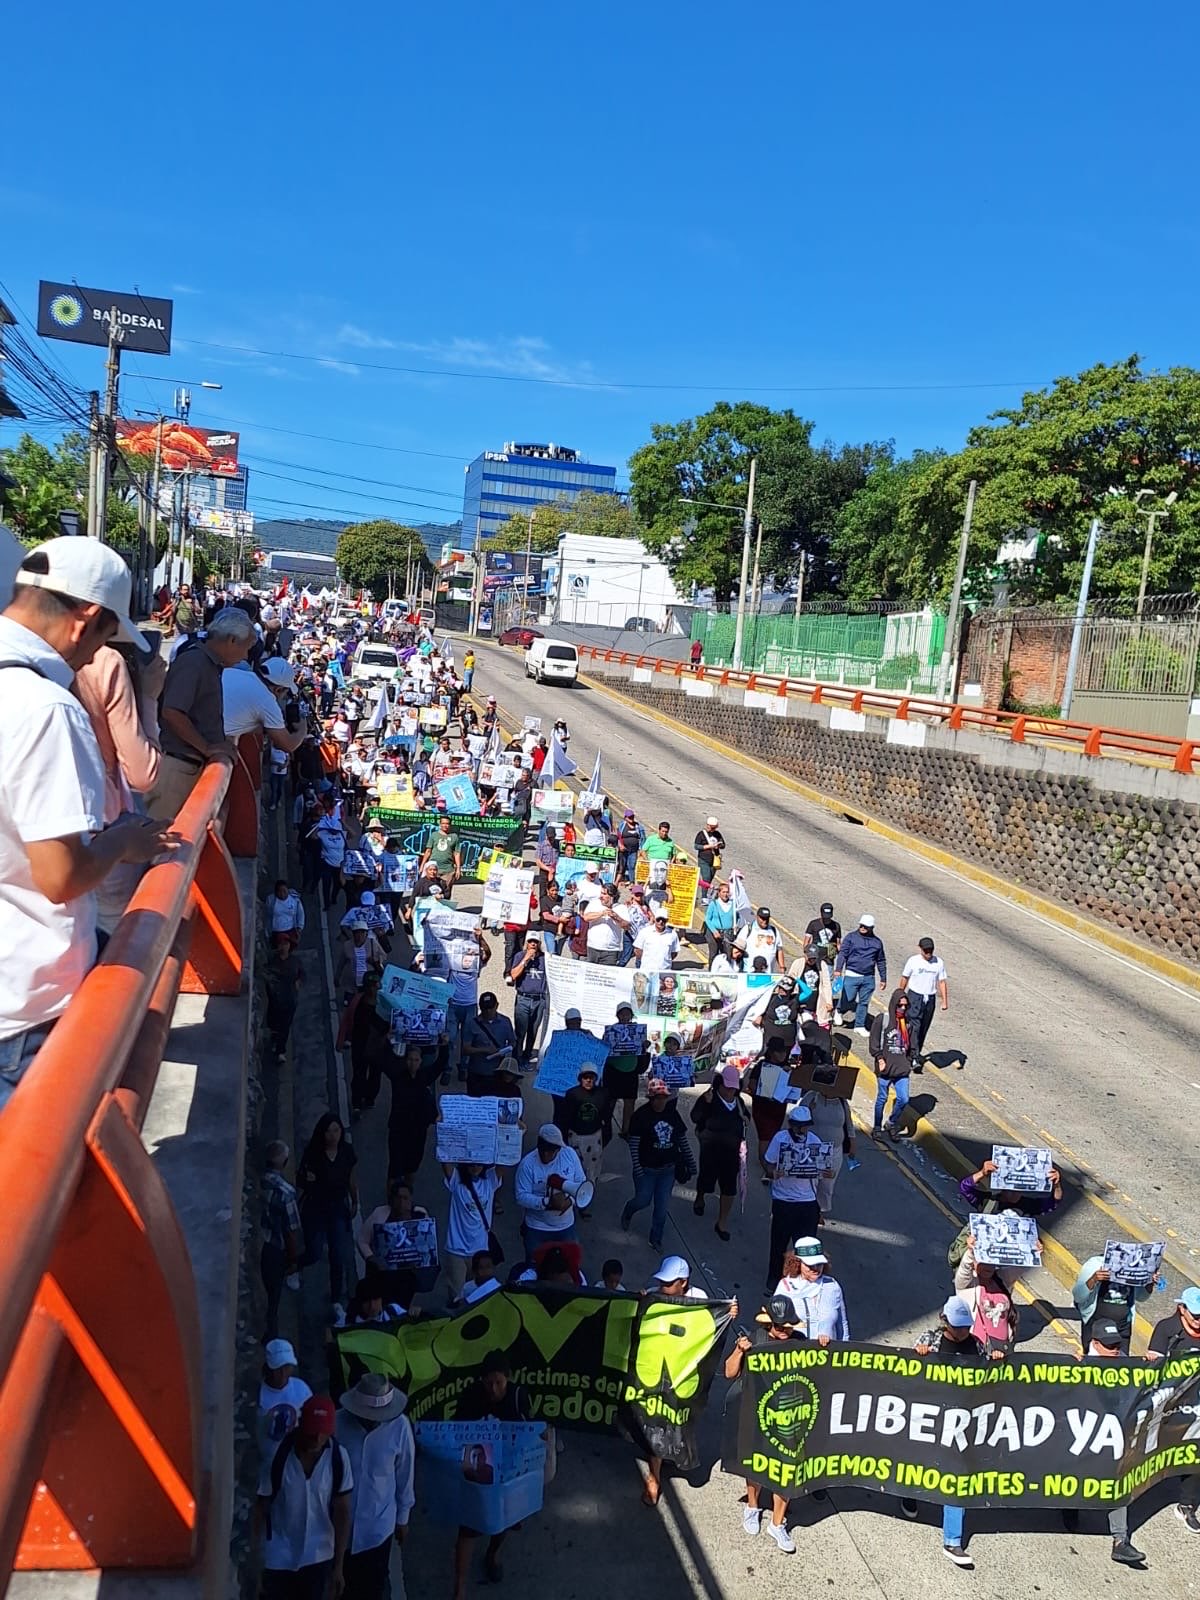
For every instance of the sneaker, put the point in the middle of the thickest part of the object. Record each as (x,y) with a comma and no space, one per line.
(910,1509)
(782,1538)
(698,1205)
(863,1033)
(751,1520)
(877,1135)
(1127,1554)
(958,1555)
(1187,1515)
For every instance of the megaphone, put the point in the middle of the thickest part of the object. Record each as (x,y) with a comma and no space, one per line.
(581,1193)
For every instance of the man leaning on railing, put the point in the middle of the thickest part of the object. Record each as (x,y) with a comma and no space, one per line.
(71,596)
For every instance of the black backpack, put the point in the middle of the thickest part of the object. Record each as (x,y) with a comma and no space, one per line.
(280,1461)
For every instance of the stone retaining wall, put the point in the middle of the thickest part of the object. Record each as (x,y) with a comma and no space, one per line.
(1130,860)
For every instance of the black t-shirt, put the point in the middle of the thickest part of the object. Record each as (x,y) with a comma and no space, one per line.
(780,1019)
(583,1110)
(477,1405)
(656,1133)
(824,933)
(325,1183)
(706,851)
(720,1124)
(1170,1338)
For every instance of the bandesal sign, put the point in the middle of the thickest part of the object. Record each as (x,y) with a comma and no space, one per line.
(82,316)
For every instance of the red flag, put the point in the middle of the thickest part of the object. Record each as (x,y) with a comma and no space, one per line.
(282,589)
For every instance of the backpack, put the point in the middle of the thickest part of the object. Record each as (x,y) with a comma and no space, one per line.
(279,1462)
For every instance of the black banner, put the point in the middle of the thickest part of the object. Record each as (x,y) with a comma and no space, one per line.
(1030,1432)
(588,1360)
(82,316)
(476,835)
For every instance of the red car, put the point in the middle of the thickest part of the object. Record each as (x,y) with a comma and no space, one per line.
(520,636)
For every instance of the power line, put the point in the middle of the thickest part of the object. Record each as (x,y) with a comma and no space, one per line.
(330,472)
(358,494)
(336,511)
(611,384)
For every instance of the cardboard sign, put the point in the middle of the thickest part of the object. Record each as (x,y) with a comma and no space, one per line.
(553,805)
(801,1078)
(506,895)
(683,882)
(567,1049)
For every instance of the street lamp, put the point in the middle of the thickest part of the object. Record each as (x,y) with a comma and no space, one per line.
(1151,516)
(183,398)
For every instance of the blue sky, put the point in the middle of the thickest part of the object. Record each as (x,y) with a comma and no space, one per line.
(867,210)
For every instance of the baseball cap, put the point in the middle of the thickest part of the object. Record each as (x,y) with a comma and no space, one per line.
(764,911)
(279,1353)
(628,815)
(1190,1301)
(809,1249)
(799,1113)
(787,981)
(924,944)
(866,920)
(624,1006)
(671,1269)
(488,999)
(366,898)
(279,674)
(730,1077)
(589,1069)
(655,1086)
(592,868)
(710,822)
(550,1133)
(83,569)
(957,1312)
(827,909)
(1106,1332)
(638,891)
(573,1015)
(317,1415)
(533,936)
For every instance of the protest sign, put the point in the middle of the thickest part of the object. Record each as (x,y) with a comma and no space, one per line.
(459,794)
(1044,1432)
(482,1475)
(493,858)
(506,894)
(420,1000)
(625,1038)
(587,1360)
(410,1246)
(399,873)
(498,774)
(591,799)
(1021,1168)
(434,719)
(552,805)
(595,992)
(775,1083)
(565,1052)
(682,881)
(1005,1239)
(395,790)
(532,724)
(677,1071)
(807,1160)
(476,835)
(466,1129)
(449,941)
(1133,1264)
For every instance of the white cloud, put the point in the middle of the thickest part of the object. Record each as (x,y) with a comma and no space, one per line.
(351,334)
(347,367)
(184,288)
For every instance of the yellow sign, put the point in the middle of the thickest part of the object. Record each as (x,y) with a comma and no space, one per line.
(683,882)
(395,791)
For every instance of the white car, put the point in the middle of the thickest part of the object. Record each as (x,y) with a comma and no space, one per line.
(373,660)
(552,661)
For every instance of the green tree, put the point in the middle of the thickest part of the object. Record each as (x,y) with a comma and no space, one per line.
(47,482)
(600,516)
(876,552)
(803,492)
(374,556)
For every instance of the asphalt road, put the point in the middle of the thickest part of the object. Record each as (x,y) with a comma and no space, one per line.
(1064,1042)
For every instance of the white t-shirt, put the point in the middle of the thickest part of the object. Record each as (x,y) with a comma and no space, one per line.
(587,888)
(301,1524)
(248,705)
(756,941)
(286,915)
(924,976)
(657,950)
(532,1185)
(784,1187)
(279,1412)
(52,786)
(605,934)
(466,1230)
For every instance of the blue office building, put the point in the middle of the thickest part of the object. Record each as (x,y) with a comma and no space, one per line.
(209,492)
(510,482)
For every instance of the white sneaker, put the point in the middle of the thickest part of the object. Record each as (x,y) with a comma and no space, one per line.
(751,1520)
(864,1033)
(782,1538)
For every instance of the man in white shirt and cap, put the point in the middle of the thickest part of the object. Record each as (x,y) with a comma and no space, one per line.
(70,597)
(378,1439)
(545,1183)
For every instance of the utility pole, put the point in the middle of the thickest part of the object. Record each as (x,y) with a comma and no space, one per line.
(106,430)
(154,489)
(1085,584)
(528,560)
(947,675)
(747,529)
(476,586)
(1151,518)
(93,504)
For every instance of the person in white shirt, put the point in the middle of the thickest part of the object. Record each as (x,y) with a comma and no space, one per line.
(761,938)
(472,1190)
(544,1183)
(606,924)
(483,1280)
(71,597)
(925,978)
(589,886)
(794,1209)
(283,912)
(656,946)
(248,705)
(280,1396)
(378,1440)
(303,1508)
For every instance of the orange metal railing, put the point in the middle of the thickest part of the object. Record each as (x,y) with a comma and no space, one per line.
(1088,738)
(100,1400)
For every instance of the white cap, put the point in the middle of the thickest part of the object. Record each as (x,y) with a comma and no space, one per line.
(366,898)
(808,1248)
(957,1312)
(799,1113)
(573,1015)
(592,868)
(279,1353)
(550,1133)
(711,822)
(671,1269)
(866,920)
(83,569)
(279,673)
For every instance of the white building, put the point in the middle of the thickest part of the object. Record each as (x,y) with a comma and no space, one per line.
(608,582)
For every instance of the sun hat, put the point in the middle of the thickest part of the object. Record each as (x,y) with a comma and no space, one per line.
(374,1398)
(86,570)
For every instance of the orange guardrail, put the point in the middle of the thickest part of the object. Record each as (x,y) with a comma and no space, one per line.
(100,1400)
(1090,739)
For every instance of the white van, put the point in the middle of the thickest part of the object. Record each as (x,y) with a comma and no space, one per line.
(552,660)
(374,660)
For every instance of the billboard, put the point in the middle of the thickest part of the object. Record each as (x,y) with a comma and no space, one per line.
(81,316)
(230,522)
(503,569)
(183,445)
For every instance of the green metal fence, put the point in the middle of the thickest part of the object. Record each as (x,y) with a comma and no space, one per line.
(868,650)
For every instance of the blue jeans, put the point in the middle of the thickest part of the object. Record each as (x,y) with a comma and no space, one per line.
(856,992)
(330,1229)
(651,1187)
(458,1014)
(532,1236)
(16,1054)
(528,1011)
(953,1518)
(900,1085)
(468,678)
(275,783)
(627,862)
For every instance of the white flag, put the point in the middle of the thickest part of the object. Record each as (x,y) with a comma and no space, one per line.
(492,748)
(592,798)
(743,911)
(378,717)
(557,764)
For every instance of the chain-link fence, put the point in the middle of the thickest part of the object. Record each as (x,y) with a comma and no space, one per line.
(879,649)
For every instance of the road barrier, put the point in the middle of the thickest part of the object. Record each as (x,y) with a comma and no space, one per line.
(1018,727)
(101,1398)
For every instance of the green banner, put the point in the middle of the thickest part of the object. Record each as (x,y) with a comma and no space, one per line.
(587,1360)
(476,835)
